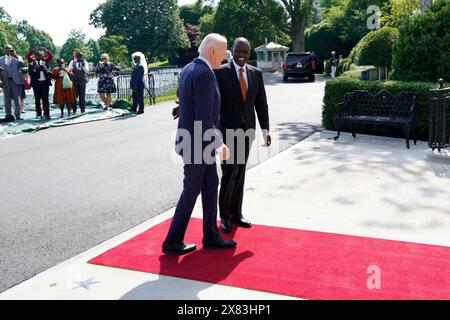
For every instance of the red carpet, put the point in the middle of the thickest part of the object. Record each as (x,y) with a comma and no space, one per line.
(305,264)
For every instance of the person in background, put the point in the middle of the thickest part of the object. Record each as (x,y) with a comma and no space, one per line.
(106,71)
(11,84)
(22,87)
(333,64)
(80,69)
(40,81)
(63,96)
(313,61)
(137,82)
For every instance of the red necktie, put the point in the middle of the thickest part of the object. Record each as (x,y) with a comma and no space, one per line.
(242,83)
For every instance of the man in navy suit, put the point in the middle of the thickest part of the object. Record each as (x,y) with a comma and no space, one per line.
(198,140)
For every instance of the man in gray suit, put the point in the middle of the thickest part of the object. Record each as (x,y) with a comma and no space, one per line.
(12,84)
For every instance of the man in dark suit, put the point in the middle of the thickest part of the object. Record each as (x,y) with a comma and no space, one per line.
(199,113)
(243,93)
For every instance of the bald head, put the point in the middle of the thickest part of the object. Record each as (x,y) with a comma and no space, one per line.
(241,51)
(8,49)
(213,48)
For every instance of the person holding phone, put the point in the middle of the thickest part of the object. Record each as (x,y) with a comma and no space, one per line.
(106,86)
(80,69)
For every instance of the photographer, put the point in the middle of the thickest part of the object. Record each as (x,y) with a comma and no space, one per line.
(80,69)
(40,81)
(106,86)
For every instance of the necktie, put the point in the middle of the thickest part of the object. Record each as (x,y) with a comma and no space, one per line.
(242,83)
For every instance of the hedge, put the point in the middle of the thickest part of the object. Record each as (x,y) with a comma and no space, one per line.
(422,50)
(376,48)
(337,88)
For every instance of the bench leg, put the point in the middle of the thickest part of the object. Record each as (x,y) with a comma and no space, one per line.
(353,132)
(336,124)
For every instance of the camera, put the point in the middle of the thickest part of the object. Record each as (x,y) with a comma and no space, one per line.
(80,57)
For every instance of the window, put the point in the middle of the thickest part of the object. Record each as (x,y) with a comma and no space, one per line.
(269,56)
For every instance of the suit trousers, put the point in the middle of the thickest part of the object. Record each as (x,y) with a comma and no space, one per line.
(138,100)
(233,178)
(12,92)
(197,178)
(40,90)
(80,93)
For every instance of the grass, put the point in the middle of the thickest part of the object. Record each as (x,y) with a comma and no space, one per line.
(160,64)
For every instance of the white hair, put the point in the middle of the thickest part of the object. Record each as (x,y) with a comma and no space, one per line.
(210,41)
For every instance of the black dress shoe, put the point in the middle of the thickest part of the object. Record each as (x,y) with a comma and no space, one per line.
(241,222)
(225,225)
(177,248)
(219,243)
(8,119)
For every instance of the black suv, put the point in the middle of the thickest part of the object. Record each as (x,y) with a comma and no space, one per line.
(298,65)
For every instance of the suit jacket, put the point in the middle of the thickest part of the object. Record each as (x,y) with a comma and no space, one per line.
(199,99)
(14,70)
(3,79)
(233,107)
(137,78)
(36,74)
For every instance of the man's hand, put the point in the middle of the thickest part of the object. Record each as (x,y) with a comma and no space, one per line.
(176,111)
(224,154)
(268,140)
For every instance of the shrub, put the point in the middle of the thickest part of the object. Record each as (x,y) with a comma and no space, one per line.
(375,48)
(337,88)
(422,50)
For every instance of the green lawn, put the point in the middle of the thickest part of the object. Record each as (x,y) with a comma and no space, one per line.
(160,64)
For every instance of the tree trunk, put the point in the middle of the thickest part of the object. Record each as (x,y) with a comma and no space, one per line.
(298,36)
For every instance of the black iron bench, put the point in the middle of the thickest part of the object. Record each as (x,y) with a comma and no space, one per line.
(361,107)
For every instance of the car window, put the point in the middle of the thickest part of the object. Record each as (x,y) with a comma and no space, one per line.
(298,59)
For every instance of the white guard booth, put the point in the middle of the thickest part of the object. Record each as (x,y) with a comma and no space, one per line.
(270,56)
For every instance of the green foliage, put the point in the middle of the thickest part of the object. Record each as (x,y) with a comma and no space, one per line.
(35,37)
(236,18)
(322,39)
(3,39)
(95,50)
(76,39)
(117,51)
(375,48)
(206,24)
(4,16)
(337,88)
(395,12)
(345,20)
(192,13)
(422,51)
(153,27)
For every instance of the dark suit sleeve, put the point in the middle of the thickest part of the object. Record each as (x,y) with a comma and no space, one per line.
(261,107)
(204,93)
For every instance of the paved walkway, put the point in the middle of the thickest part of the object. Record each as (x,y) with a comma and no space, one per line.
(369,186)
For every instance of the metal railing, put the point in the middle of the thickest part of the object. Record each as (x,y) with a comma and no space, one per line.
(124,91)
(438,130)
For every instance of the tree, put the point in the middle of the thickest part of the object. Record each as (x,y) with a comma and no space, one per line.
(192,13)
(35,37)
(237,18)
(4,16)
(95,50)
(291,16)
(3,39)
(76,39)
(153,27)
(114,47)
(395,12)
